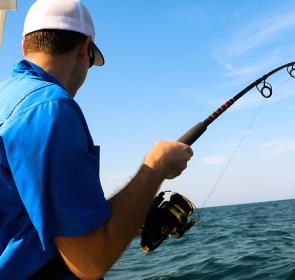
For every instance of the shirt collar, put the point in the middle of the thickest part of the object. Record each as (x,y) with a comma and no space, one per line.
(26,67)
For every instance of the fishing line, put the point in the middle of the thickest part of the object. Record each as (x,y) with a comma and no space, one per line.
(239,144)
(233,153)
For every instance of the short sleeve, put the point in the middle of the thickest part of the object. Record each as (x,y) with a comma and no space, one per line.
(55,167)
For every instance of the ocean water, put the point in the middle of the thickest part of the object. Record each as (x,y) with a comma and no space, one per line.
(250,241)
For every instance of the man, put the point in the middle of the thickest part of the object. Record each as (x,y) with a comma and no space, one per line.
(52,206)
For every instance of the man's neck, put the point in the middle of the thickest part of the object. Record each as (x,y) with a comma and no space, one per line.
(60,67)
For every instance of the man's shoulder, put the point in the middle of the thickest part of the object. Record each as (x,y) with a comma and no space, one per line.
(18,96)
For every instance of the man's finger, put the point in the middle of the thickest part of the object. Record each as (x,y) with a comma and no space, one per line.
(189,151)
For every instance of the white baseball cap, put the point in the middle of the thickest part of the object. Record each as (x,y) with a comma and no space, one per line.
(69,15)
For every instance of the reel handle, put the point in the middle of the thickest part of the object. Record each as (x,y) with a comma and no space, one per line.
(193,134)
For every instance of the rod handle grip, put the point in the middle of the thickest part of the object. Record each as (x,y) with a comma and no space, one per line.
(193,134)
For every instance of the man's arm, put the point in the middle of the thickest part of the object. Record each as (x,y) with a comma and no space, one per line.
(91,255)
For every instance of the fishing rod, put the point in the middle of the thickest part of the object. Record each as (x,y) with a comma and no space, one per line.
(171,216)
(262,86)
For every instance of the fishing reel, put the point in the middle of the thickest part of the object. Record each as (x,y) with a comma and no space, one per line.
(166,217)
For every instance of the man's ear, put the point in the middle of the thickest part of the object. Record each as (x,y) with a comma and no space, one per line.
(84,47)
(23,47)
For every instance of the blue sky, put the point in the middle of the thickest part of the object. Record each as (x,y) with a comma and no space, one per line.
(169,64)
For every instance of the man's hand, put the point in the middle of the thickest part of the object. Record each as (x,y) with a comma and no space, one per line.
(168,159)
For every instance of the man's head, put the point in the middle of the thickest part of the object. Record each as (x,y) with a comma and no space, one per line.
(62,32)
(59,27)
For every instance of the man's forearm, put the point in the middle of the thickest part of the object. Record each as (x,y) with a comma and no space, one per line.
(129,208)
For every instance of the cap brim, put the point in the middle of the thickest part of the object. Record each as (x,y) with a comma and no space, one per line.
(99,59)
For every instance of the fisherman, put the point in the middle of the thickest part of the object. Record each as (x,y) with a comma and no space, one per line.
(55,222)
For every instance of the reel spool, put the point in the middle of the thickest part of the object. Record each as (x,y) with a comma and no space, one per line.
(166,217)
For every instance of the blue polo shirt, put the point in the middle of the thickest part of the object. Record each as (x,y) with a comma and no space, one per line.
(49,171)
